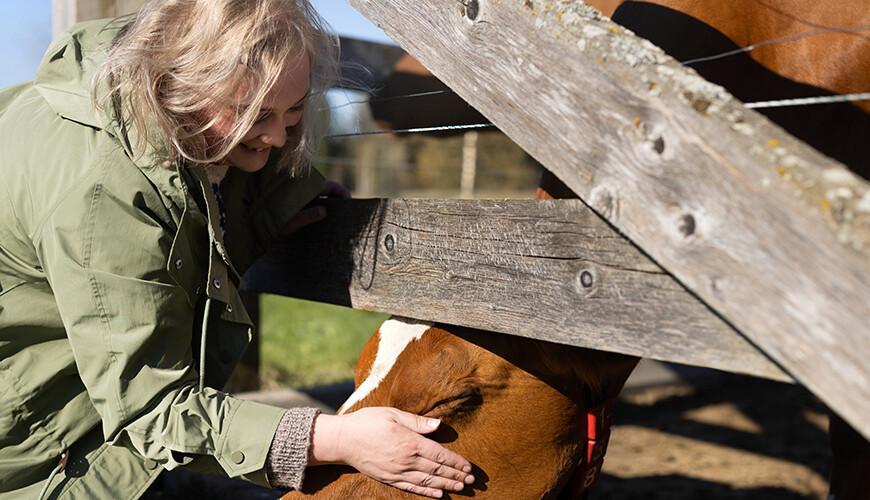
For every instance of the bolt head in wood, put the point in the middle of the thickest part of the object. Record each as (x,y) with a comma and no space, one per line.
(472,9)
(585,281)
(687,225)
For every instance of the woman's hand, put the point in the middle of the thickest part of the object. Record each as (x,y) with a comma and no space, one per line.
(386,444)
(316,213)
(334,189)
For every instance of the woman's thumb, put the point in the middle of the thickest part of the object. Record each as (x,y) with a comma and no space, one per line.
(418,424)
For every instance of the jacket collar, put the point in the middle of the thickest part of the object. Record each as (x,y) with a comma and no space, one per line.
(65,79)
(66,73)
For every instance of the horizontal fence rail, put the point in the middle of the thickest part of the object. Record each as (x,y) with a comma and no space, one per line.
(550,270)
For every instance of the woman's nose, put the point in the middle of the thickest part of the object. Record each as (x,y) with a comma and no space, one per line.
(276,135)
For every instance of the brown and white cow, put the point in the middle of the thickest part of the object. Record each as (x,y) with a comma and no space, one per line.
(515,407)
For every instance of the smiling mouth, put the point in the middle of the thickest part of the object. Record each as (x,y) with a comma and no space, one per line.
(256,150)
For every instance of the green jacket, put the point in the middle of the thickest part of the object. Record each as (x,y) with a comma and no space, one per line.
(109,263)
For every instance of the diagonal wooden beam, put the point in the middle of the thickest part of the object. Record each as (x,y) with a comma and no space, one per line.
(550,270)
(771,234)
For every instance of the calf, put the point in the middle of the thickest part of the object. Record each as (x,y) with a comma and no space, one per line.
(515,407)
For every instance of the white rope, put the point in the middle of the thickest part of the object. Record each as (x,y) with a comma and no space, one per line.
(808,101)
(48,481)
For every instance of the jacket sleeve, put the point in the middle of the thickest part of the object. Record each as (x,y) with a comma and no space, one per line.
(104,249)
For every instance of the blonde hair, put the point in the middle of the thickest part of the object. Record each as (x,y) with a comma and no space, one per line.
(178,61)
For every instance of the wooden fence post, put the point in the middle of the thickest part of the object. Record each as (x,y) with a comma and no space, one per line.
(469,164)
(65,13)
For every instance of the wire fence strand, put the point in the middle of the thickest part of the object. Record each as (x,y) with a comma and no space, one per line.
(809,101)
(414,130)
(774,41)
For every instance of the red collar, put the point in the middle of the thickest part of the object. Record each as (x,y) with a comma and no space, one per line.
(598,422)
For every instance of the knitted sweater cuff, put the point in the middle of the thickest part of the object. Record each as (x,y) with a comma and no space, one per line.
(288,455)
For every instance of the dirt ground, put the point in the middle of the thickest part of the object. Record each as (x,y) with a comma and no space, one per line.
(734,438)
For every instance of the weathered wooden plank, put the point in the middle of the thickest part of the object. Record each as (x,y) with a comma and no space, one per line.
(551,270)
(767,231)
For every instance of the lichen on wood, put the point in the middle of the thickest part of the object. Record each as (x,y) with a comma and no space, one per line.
(830,190)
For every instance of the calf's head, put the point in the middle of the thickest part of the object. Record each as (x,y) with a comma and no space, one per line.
(514,407)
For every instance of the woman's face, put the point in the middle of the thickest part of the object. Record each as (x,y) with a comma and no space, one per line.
(282,109)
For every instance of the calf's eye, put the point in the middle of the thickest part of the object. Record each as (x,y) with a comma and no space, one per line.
(463,402)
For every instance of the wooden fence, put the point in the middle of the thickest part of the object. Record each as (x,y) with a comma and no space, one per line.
(765,234)
(705,235)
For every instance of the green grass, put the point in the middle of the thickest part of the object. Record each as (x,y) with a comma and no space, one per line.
(309,343)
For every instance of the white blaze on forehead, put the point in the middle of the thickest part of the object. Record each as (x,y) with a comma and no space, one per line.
(394,336)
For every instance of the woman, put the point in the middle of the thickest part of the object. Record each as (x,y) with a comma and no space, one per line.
(146,166)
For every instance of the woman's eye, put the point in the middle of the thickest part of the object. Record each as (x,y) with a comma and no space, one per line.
(262,117)
(296,109)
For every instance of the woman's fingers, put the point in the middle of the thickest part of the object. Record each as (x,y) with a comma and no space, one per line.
(301,219)
(436,459)
(434,481)
(315,213)
(419,490)
(444,471)
(417,423)
(333,189)
(434,452)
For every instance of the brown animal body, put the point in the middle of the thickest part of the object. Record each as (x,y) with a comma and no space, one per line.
(830,50)
(816,49)
(514,407)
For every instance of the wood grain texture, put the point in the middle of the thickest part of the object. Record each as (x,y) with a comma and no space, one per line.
(551,270)
(768,232)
